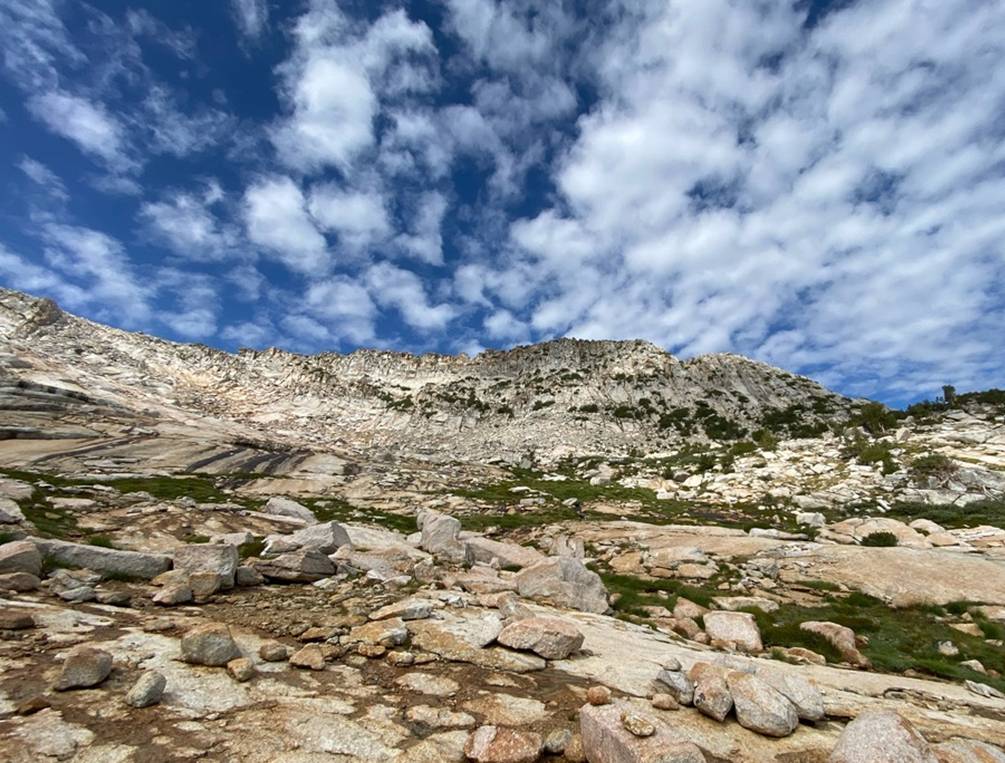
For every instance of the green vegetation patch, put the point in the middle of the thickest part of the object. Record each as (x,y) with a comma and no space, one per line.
(989,512)
(338,510)
(900,639)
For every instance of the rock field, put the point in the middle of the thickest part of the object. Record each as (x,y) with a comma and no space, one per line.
(270,557)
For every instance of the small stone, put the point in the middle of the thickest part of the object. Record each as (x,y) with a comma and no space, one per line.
(841,638)
(309,656)
(400,659)
(672,663)
(711,694)
(19,582)
(211,644)
(948,649)
(204,584)
(598,695)
(148,690)
(241,669)
(975,665)
(83,668)
(246,576)
(678,684)
(557,740)
(371,651)
(32,705)
(114,598)
(273,651)
(173,594)
(663,701)
(637,725)
(12,620)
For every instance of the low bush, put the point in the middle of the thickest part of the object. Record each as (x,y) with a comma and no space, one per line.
(879,539)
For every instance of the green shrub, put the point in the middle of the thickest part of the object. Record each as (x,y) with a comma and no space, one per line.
(100,540)
(875,453)
(879,539)
(589,408)
(934,465)
(875,418)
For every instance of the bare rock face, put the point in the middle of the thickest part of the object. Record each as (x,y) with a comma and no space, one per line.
(605,739)
(735,628)
(967,751)
(210,644)
(841,638)
(20,556)
(566,582)
(881,736)
(759,707)
(495,744)
(208,557)
(83,668)
(548,637)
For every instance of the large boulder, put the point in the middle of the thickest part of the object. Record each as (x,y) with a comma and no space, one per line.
(606,739)
(287,507)
(326,537)
(106,560)
(210,644)
(566,582)
(484,550)
(881,736)
(303,566)
(548,637)
(759,707)
(208,557)
(83,668)
(738,629)
(21,556)
(439,535)
(803,695)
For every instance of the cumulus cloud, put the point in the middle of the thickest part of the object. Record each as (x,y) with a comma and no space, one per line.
(358,217)
(187,224)
(403,290)
(275,213)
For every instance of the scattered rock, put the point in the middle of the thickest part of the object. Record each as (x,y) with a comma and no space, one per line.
(841,638)
(663,701)
(310,656)
(173,594)
(606,740)
(83,668)
(711,694)
(598,695)
(494,744)
(211,644)
(439,535)
(273,651)
(326,537)
(548,637)
(287,507)
(21,556)
(678,685)
(637,725)
(759,707)
(147,691)
(14,620)
(557,741)
(738,629)
(132,564)
(221,559)
(565,581)
(241,669)
(19,582)
(302,566)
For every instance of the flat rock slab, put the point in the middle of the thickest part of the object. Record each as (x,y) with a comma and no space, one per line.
(100,559)
(437,637)
(903,576)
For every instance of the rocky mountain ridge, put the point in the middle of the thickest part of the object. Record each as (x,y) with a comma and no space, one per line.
(551,399)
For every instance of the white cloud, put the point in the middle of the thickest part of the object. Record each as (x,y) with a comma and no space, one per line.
(35,43)
(252,17)
(276,218)
(404,291)
(358,217)
(333,81)
(425,241)
(346,308)
(88,124)
(44,177)
(187,224)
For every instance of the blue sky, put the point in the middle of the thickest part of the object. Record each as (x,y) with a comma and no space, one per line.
(820,185)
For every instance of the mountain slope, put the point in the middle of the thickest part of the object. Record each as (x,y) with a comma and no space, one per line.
(555,398)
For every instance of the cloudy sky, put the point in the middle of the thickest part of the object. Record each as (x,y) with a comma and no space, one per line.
(819,184)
